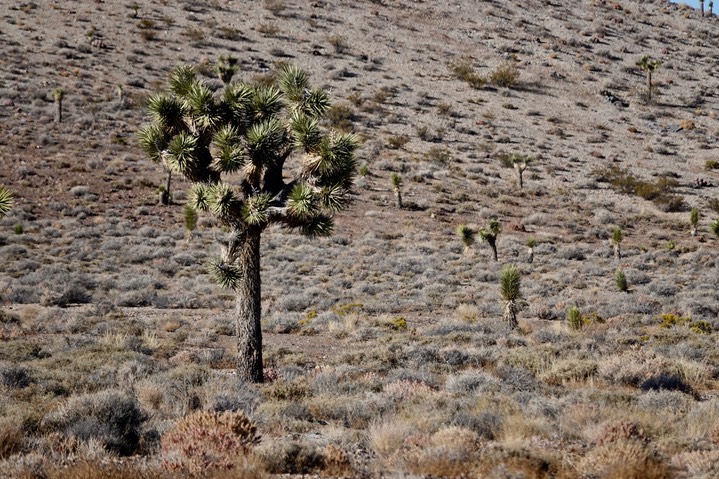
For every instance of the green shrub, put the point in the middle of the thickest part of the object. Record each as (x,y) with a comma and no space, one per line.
(621,280)
(574,318)
(505,76)
(465,72)
(711,165)
(396,142)
(438,155)
(670,320)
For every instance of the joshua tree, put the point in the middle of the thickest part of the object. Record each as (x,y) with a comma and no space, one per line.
(617,242)
(711,7)
(701,6)
(621,280)
(520,163)
(190,216)
(5,201)
(509,288)
(226,68)
(466,234)
(574,318)
(649,66)
(58,96)
(396,181)
(531,243)
(693,221)
(120,93)
(256,133)
(489,234)
(714,227)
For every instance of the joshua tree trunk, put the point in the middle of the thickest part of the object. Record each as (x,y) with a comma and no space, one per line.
(701,6)
(166,195)
(693,230)
(520,173)
(711,7)
(530,255)
(398,194)
(649,85)
(248,309)
(617,251)
(493,245)
(510,314)
(58,111)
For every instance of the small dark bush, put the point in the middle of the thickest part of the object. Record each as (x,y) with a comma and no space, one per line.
(487,424)
(112,417)
(293,458)
(671,382)
(15,376)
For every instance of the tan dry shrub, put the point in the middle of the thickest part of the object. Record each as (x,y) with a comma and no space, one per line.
(11,436)
(100,469)
(467,312)
(570,371)
(337,462)
(699,464)
(632,367)
(615,431)
(208,440)
(714,433)
(405,390)
(452,452)
(626,459)
(388,437)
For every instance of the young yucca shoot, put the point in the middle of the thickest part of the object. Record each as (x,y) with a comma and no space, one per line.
(510,281)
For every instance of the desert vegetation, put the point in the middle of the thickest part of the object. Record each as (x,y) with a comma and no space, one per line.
(522,281)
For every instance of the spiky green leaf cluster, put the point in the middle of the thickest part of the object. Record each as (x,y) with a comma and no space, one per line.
(5,201)
(251,131)
(181,152)
(396,181)
(510,281)
(694,217)
(255,211)
(466,234)
(617,235)
(229,152)
(714,227)
(225,274)
(490,232)
(222,201)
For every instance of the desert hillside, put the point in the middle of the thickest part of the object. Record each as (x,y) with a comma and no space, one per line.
(386,354)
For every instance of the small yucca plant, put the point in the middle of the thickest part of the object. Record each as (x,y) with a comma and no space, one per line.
(466,234)
(190,217)
(396,181)
(574,318)
(694,221)
(621,280)
(510,281)
(714,227)
(226,68)
(520,163)
(5,201)
(531,243)
(616,242)
(489,235)
(58,95)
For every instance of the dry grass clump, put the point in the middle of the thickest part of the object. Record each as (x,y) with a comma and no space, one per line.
(209,440)
(449,452)
(12,436)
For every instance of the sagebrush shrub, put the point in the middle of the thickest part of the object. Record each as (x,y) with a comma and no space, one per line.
(208,440)
(112,417)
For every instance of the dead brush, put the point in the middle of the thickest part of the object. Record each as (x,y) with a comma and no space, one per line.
(208,440)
